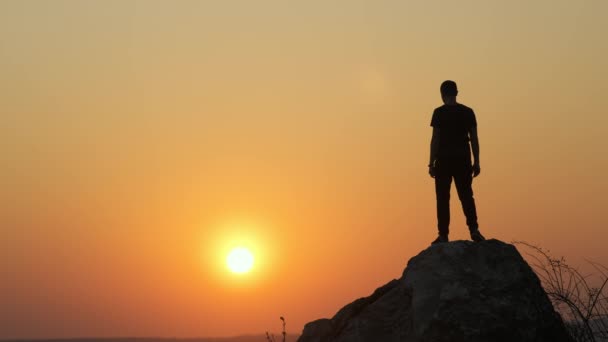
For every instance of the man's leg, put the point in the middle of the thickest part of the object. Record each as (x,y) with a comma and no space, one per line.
(443,182)
(464,181)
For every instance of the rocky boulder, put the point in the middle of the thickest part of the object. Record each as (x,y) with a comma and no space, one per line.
(457,291)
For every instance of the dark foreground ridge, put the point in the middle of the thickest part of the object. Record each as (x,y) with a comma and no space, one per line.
(458,291)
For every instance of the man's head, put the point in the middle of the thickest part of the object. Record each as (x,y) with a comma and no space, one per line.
(448,92)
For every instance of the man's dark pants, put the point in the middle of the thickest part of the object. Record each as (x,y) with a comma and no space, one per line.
(460,170)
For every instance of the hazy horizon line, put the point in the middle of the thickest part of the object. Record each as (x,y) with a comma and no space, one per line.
(148,338)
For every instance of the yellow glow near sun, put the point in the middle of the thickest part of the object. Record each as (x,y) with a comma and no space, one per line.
(240,260)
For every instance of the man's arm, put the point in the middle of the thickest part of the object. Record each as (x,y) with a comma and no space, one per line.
(434,151)
(475,148)
(434,145)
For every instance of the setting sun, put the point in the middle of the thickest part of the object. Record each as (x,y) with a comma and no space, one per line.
(239,260)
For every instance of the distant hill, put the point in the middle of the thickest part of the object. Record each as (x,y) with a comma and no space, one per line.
(246,338)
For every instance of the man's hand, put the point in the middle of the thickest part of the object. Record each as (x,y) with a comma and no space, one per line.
(433,168)
(476,170)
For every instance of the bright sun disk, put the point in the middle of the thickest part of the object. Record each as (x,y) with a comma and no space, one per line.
(240,260)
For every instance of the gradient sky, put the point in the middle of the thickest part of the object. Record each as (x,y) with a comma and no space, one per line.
(139,140)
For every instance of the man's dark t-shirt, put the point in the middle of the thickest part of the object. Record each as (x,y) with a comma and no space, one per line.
(454,122)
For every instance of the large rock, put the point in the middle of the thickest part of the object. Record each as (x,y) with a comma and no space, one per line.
(458,291)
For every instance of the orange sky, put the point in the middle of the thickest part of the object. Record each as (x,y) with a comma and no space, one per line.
(142,139)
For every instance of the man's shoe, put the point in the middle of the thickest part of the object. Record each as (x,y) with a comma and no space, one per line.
(440,239)
(476,236)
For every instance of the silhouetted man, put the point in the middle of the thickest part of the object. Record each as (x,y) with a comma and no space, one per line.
(454,125)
